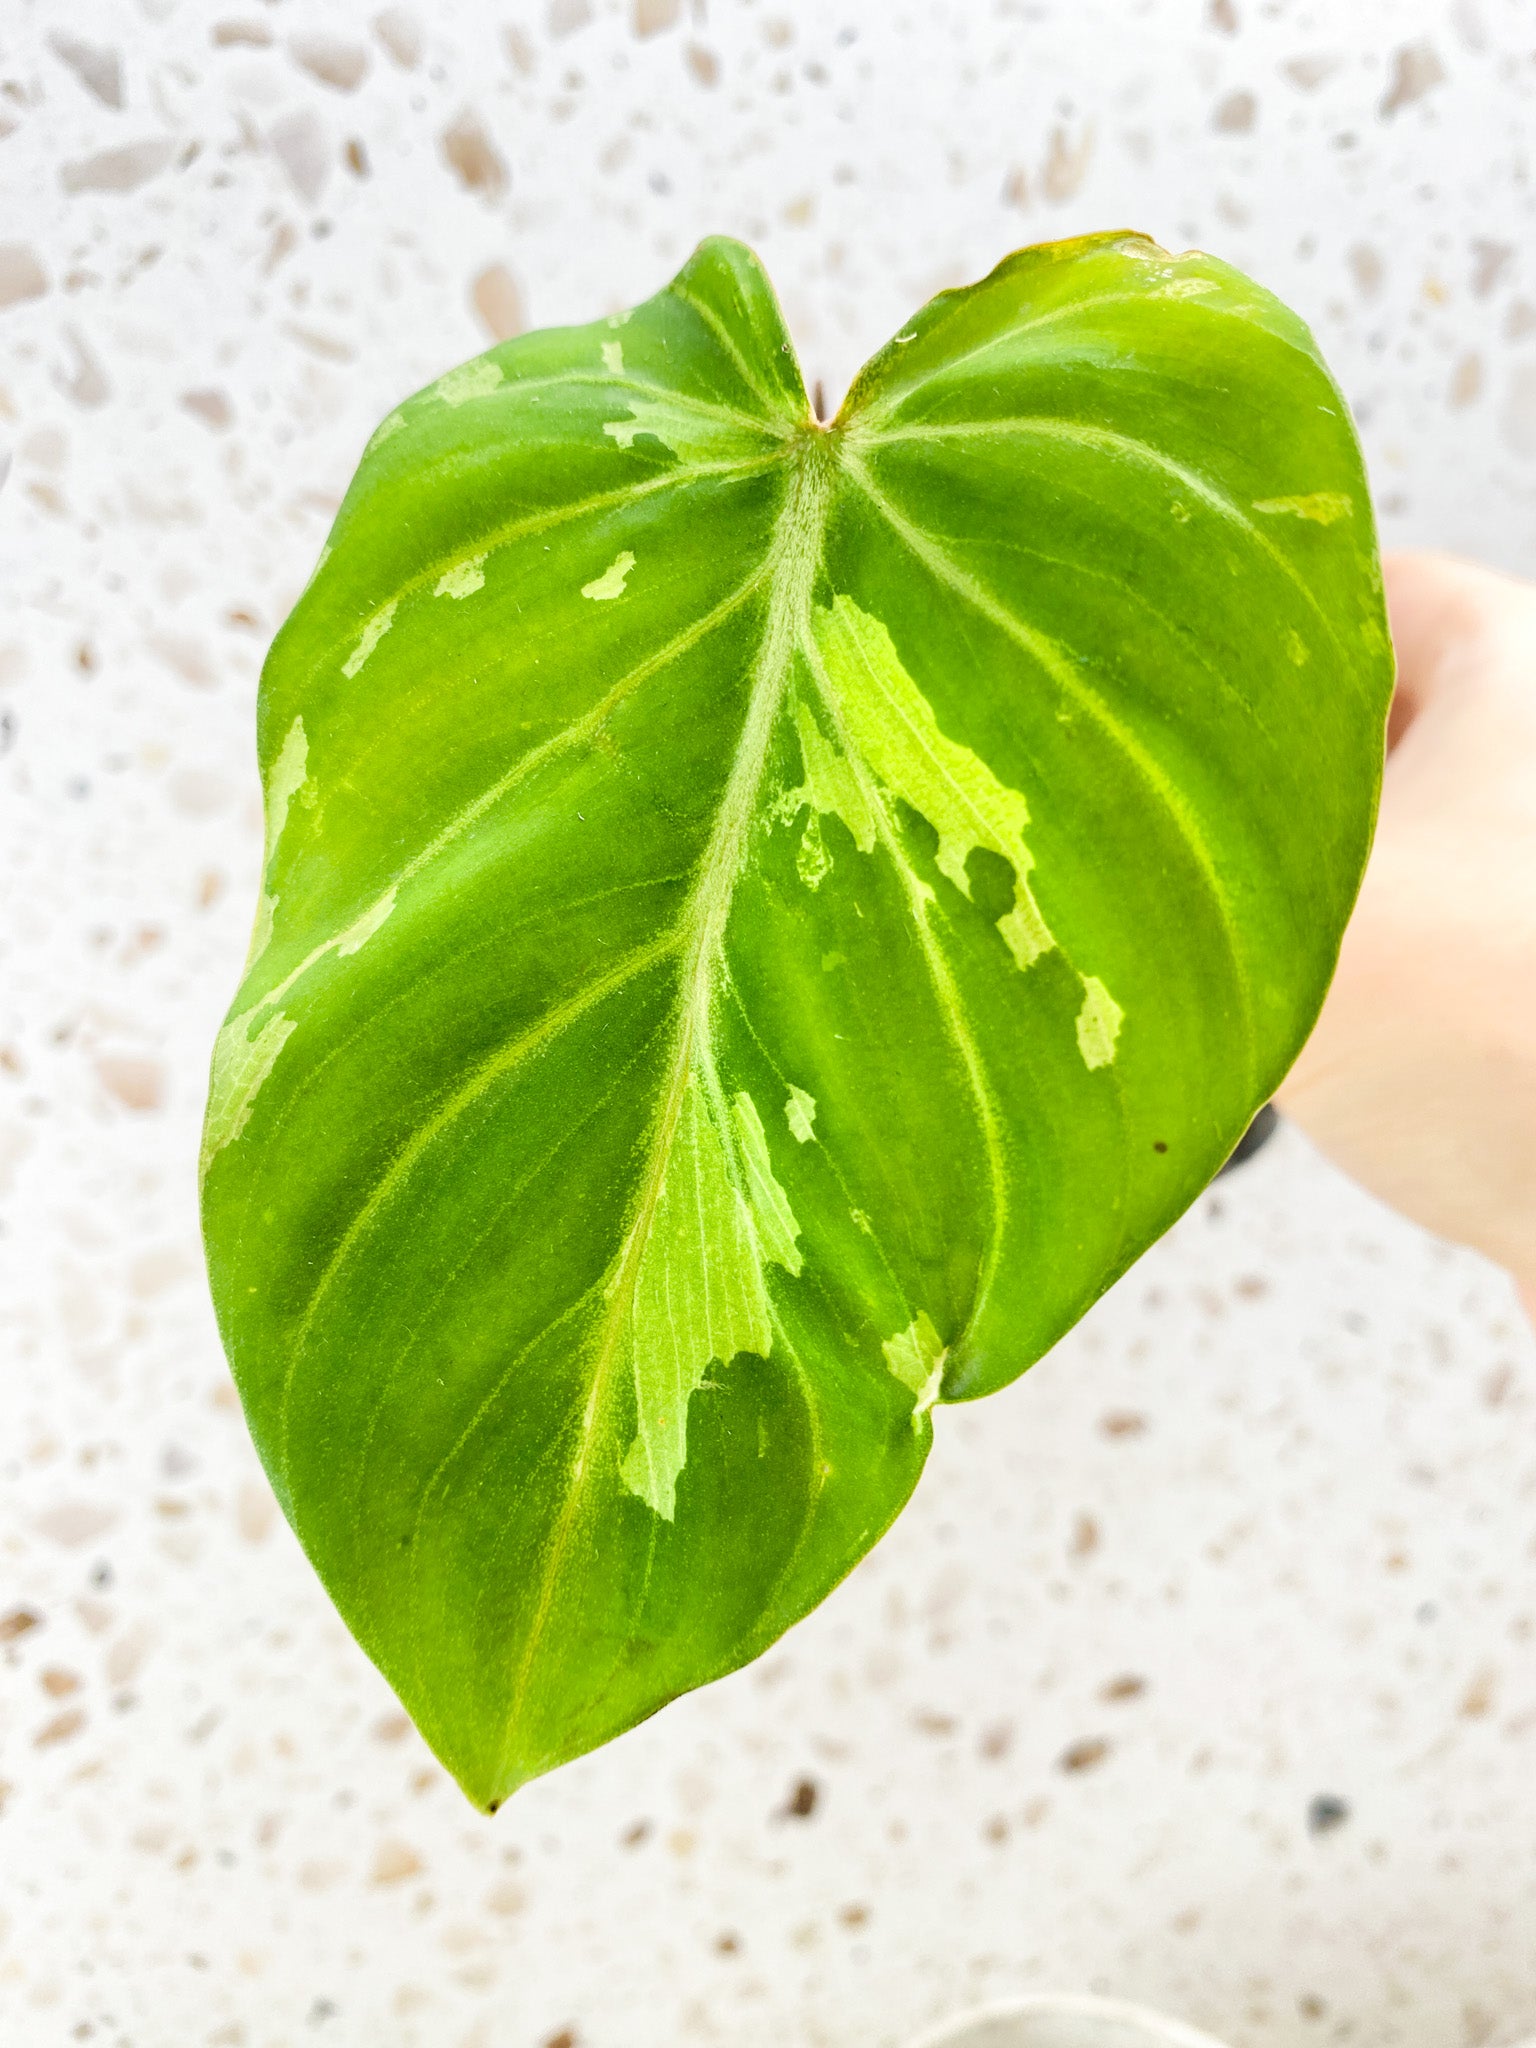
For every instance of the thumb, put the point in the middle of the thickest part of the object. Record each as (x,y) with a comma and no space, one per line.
(1443,612)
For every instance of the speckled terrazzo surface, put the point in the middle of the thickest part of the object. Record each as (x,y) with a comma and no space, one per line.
(1203,1668)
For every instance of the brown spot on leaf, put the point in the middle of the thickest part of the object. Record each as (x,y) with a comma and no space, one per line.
(59,1683)
(18,1622)
(703,63)
(1236,114)
(1085,1537)
(1224,17)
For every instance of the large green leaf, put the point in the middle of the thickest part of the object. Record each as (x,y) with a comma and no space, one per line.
(762,924)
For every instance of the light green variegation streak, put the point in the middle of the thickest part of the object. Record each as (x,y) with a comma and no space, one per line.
(916,1356)
(463,579)
(792,562)
(240,1064)
(700,1295)
(681,1290)
(287,779)
(610,584)
(243,1054)
(1321,507)
(777,1229)
(831,788)
(1098,1023)
(477,379)
(800,1115)
(369,638)
(683,428)
(290,772)
(892,724)
(1055,663)
(951,1006)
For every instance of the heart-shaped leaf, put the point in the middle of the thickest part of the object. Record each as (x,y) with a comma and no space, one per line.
(761,924)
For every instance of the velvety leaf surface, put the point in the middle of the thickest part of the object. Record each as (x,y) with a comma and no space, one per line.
(761,925)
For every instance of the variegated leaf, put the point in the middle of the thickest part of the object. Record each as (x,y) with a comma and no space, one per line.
(761,924)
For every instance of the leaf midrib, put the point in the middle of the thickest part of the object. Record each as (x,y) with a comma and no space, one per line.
(795,557)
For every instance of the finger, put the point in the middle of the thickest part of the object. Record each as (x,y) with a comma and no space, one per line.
(1443,611)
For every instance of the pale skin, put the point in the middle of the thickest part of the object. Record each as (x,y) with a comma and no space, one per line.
(1420,1078)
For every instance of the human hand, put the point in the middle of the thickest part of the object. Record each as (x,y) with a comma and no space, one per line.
(1420,1077)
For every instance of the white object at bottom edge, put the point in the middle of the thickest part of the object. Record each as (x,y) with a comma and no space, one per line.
(1065,2021)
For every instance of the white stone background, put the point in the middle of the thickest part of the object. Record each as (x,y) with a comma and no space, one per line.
(1284,1478)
